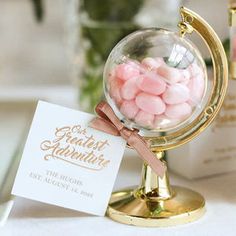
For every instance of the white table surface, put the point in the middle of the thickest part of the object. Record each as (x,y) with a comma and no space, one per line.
(34,218)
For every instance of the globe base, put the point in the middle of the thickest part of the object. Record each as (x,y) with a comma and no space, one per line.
(184,206)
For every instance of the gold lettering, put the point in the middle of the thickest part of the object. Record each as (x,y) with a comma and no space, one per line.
(66,146)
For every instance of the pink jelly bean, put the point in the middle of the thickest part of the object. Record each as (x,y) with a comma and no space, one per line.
(196,86)
(144,119)
(178,111)
(126,71)
(194,70)
(171,75)
(151,83)
(185,77)
(151,63)
(149,103)
(130,89)
(129,109)
(134,64)
(115,85)
(176,93)
(160,60)
(162,122)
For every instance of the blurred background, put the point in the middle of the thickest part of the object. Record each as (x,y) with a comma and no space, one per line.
(56,50)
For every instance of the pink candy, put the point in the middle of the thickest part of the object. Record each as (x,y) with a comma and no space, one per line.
(129,89)
(126,71)
(178,111)
(171,75)
(196,86)
(115,86)
(144,119)
(155,95)
(176,93)
(151,63)
(150,104)
(194,70)
(152,84)
(129,109)
(186,75)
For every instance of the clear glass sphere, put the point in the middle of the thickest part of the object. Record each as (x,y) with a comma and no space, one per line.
(155,80)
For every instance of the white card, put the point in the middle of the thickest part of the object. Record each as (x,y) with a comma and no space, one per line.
(67,163)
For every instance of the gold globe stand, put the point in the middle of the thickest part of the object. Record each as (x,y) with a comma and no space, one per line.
(154,202)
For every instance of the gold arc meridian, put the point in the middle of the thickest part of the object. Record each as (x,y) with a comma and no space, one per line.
(220,82)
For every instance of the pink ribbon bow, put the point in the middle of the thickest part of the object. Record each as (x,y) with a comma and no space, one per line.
(108,122)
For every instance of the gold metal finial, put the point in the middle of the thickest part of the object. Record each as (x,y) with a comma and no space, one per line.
(185,25)
(185,28)
(232,16)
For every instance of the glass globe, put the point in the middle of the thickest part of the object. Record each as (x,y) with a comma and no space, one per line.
(155,80)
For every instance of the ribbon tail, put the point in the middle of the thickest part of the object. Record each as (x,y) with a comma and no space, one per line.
(147,155)
(104,126)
